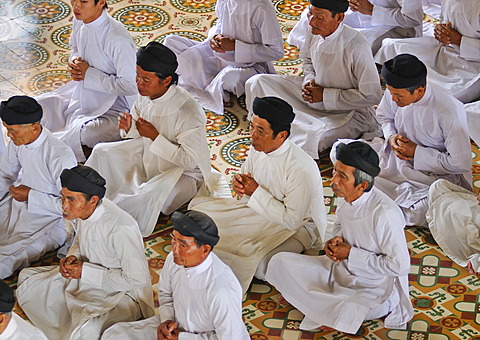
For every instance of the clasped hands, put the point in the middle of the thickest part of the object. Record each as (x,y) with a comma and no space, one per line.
(77,68)
(168,330)
(145,128)
(71,267)
(403,147)
(446,34)
(220,43)
(336,249)
(362,6)
(312,92)
(244,184)
(19,193)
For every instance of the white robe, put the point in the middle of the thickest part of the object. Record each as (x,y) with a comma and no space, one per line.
(30,229)
(432,9)
(205,300)
(389,19)
(141,173)
(343,64)
(455,68)
(341,295)
(258,41)
(454,220)
(473,120)
(19,329)
(108,88)
(289,197)
(115,283)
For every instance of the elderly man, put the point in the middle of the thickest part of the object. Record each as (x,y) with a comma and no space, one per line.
(365,273)
(454,220)
(168,159)
(84,112)
(453,55)
(280,196)
(191,273)
(31,222)
(375,19)
(12,326)
(244,42)
(335,97)
(426,137)
(103,280)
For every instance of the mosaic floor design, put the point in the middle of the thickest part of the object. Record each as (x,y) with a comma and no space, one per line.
(33,53)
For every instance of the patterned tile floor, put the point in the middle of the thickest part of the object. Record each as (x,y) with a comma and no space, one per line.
(33,53)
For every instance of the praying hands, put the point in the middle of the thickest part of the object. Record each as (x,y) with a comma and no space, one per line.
(71,268)
(312,92)
(244,184)
(77,68)
(447,35)
(220,43)
(403,147)
(362,6)
(336,249)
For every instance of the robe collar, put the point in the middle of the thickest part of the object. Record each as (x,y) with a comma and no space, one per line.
(425,98)
(281,150)
(96,215)
(201,267)
(166,96)
(335,34)
(10,330)
(100,20)
(361,200)
(37,142)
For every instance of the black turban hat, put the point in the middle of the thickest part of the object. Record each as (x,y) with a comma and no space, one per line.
(197,225)
(338,6)
(156,57)
(83,179)
(7,299)
(360,155)
(274,110)
(403,71)
(20,110)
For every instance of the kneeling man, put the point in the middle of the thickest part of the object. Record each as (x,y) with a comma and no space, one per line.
(199,296)
(365,273)
(103,280)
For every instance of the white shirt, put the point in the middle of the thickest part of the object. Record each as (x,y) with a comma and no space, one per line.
(19,329)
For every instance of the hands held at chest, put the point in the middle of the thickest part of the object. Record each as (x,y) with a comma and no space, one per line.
(446,34)
(403,147)
(244,184)
(336,249)
(145,128)
(125,121)
(168,330)
(77,68)
(220,43)
(362,6)
(312,93)
(19,193)
(71,268)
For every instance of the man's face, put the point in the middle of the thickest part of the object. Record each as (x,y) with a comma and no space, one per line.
(22,134)
(75,205)
(86,10)
(343,182)
(186,252)
(403,97)
(322,22)
(148,84)
(262,135)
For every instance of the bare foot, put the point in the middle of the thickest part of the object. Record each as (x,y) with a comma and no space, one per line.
(471,270)
(282,302)
(327,329)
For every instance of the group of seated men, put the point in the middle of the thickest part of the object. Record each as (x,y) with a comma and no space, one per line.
(150,156)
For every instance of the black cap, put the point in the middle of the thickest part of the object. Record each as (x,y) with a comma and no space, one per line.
(197,225)
(82,178)
(332,5)
(7,299)
(20,110)
(403,71)
(156,57)
(274,110)
(360,155)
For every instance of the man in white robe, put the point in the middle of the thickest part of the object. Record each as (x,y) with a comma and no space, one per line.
(84,112)
(31,222)
(12,326)
(364,274)
(200,298)
(280,197)
(454,219)
(375,19)
(166,158)
(335,96)
(103,280)
(426,137)
(244,41)
(453,55)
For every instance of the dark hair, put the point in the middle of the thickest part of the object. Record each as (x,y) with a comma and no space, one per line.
(88,197)
(200,243)
(412,89)
(162,77)
(277,128)
(104,6)
(361,176)
(334,13)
